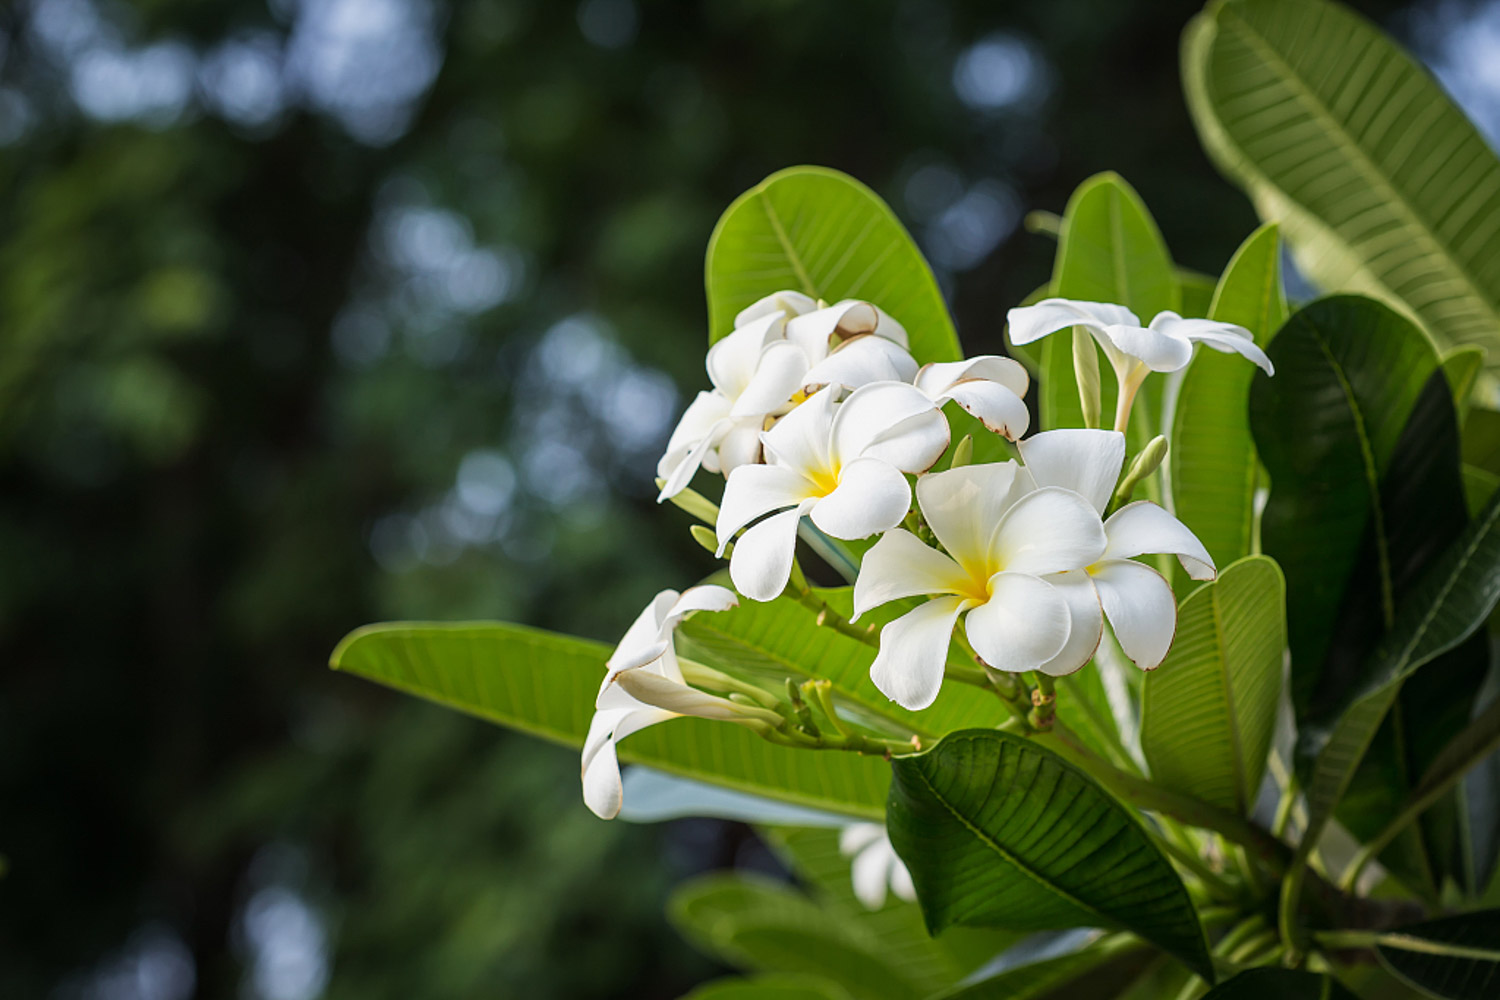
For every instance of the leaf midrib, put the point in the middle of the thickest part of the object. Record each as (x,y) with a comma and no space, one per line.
(1362,163)
(792,256)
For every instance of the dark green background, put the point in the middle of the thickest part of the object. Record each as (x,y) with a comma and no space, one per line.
(254,317)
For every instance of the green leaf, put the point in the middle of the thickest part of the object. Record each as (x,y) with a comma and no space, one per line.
(545,684)
(762,925)
(768,988)
(1208,711)
(1047,977)
(1379,181)
(1197,293)
(825,234)
(1455,957)
(1348,373)
(1283,984)
(782,638)
(1452,601)
(1213,465)
(1110,251)
(1462,366)
(896,929)
(1000,832)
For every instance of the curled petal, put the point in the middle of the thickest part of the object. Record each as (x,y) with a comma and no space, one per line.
(602,791)
(643,641)
(678,470)
(857,836)
(800,439)
(812,331)
(1143,528)
(756,490)
(778,374)
(935,377)
(762,559)
(740,446)
(1224,337)
(1158,350)
(1033,322)
(1049,531)
(731,362)
(871,496)
(913,650)
(1024,624)
(1140,608)
(861,360)
(963,506)
(870,414)
(900,565)
(1088,462)
(914,445)
(704,597)
(786,303)
(997,407)
(1086,622)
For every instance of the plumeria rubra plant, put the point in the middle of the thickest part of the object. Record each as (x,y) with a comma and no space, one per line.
(1168,676)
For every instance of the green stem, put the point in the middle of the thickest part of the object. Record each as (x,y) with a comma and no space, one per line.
(1342,940)
(1210,878)
(1043,703)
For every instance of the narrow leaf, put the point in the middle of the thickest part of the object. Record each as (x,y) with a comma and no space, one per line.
(998,831)
(1454,957)
(1208,711)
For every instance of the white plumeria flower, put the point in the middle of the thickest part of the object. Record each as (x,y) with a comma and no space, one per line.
(1001,538)
(842,466)
(1134,597)
(988,386)
(851,343)
(1133,350)
(876,865)
(754,372)
(643,685)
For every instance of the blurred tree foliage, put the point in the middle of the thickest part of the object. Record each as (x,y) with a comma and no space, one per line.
(322,311)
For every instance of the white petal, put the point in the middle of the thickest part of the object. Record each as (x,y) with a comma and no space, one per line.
(1140,608)
(901,880)
(762,559)
(740,446)
(1026,622)
(1159,350)
(871,412)
(754,490)
(785,302)
(698,421)
(1143,528)
(1225,337)
(935,377)
(1088,462)
(963,506)
(1049,531)
(777,376)
(1086,622)
(800,439)
(674,697)
(857,836)
(811,331)
(898,566)
(704,597)
(870,876)
(861,360)
(678,475)
(999,409)
(1033,322)
(871,496)
(602,791)
(913,445)
(643,641)
(913,650)
(731,362)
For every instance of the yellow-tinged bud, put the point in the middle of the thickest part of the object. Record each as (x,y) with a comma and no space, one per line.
(1086,371)
(705,537)
(963,453)
(694,503)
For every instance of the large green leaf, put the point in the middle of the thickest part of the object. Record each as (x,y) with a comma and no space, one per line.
(1450,603)
(545,684)
(1208,711)
(1456,957)
(782,638)
(1283,984)
(1348,373)
(998,831)
(1213,466)
(1048,977)
(1379,181)
(1110,251)
(766,926)
(823,233)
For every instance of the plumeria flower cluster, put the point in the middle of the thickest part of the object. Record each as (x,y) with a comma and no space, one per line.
(820,412)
